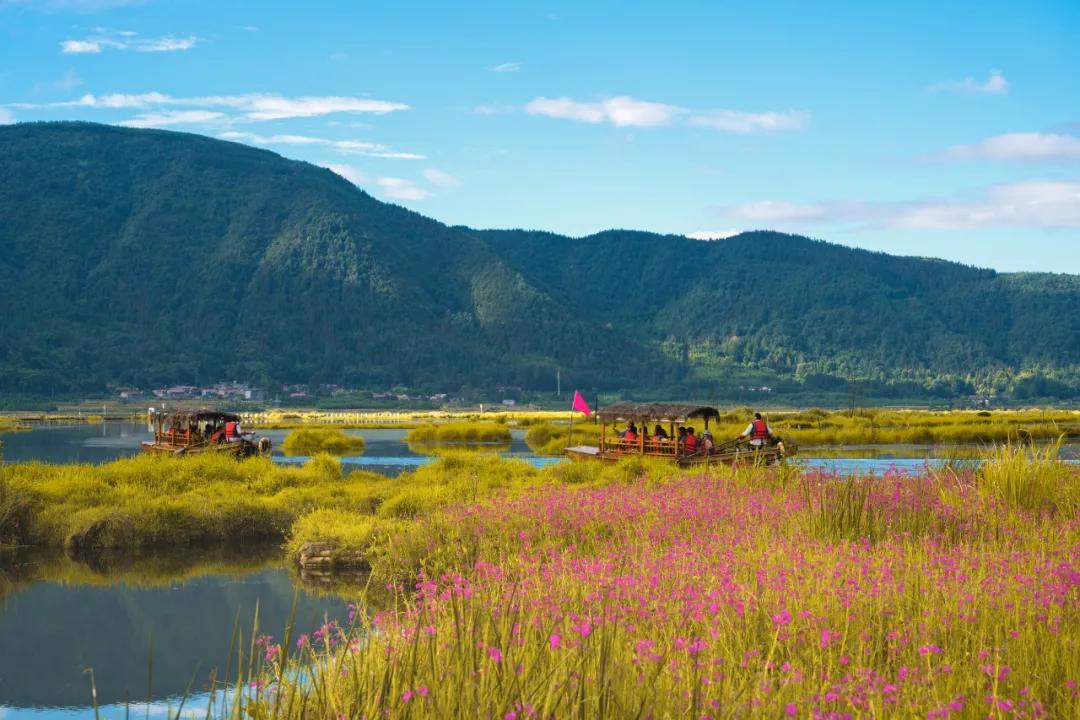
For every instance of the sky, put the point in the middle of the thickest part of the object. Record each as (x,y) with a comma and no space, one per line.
(923,128)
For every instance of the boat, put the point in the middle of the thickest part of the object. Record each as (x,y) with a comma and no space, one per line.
(671,448)
(197,432)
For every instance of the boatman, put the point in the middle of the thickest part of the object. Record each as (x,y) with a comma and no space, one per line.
(758,431)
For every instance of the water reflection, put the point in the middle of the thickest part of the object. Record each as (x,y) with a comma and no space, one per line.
(60,617)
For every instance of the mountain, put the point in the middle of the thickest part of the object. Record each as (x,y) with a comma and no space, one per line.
(145,256)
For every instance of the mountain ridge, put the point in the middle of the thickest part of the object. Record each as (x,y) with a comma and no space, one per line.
(155,256)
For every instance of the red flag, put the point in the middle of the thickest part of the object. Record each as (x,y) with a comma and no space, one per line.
(580,405)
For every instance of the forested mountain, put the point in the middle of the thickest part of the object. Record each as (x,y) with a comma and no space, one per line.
(144,257)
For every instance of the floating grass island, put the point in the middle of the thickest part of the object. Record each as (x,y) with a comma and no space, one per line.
(459,432)
(312,441)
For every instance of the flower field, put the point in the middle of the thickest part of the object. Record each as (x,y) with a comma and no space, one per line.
(749,593)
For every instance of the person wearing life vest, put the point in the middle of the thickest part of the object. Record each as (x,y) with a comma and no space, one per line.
(232,431)
(758,431)
(690,442)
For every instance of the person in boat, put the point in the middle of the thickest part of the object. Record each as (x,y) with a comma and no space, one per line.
(232,432)
(630,434)
(690,442)
(707,444)
(758,431)
(660,433)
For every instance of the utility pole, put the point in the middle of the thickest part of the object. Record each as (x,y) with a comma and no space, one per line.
(558,382)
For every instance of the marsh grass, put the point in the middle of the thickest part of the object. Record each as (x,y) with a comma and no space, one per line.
(636,591)
(312,441)
(459,432)
(1030,478)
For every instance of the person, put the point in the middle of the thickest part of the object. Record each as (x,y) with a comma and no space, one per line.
(758,431)
(232,431)
(707,443)
(630,434)
(660,433)
(691,441)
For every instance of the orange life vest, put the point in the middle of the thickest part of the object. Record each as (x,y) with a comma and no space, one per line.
(760,430)
(690,442)
(630,436)
(230,430)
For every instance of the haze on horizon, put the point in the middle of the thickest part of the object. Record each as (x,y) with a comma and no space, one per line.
(949,132)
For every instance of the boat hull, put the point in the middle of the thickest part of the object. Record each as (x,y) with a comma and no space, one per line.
(235,449)
(757,456)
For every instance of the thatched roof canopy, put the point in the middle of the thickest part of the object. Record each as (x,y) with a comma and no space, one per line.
(655,412)
(182,416)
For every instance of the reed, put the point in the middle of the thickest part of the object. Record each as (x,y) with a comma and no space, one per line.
(312,441)
(459,432)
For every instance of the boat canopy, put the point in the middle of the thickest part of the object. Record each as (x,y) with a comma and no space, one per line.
(655,412)
(194,416)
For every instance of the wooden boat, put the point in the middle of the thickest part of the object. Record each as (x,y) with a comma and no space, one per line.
(196,432)
(672,449)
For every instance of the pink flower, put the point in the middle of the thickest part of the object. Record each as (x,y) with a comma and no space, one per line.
(790,710)
(554,641)
(782,618)
(495,654)
(422,691)
(826,638)
(407,695)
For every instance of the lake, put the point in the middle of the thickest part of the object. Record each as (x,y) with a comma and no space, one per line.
(147,626)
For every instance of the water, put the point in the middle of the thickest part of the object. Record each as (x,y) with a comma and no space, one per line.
(386,450)
(59,617)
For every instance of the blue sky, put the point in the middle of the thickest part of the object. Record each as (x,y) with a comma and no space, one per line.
(940,129)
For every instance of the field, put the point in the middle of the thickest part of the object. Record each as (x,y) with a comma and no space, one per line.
(643,592)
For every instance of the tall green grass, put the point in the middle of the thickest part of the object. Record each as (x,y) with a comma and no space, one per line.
(1030,478)
(312,441)
(460,432)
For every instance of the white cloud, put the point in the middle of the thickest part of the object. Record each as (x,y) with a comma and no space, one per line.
(777,211)
(166,44)
(6,116)
(735,121)
(172,117)
(622,111)
(116,101)
(995,84)
(506,67)
(713,234)
(1035,203)
(349,172)
(401,189)
(94,44)
(441,178)
(271,139)
(256,106)
(74,47)
(346,147)
(250,106)
(251,28)
(1032,204)
(1030,146)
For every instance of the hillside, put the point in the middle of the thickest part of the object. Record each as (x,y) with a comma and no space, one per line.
(145,257)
